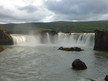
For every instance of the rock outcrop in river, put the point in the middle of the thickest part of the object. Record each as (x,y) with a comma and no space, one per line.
(78,65)
(5,38)
(101,40)
(70,49)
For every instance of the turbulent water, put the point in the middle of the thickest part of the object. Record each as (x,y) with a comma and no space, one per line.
(35,59)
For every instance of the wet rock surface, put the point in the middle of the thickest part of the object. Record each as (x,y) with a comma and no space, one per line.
(78,65)
(70,49)
(101,40)
(106,78)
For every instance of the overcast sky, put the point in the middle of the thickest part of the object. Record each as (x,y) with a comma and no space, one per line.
(52,10)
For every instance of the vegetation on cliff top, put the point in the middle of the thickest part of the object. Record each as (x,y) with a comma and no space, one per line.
(58,26)
(5,32)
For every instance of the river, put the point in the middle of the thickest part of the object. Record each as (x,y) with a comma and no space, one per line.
(44,62)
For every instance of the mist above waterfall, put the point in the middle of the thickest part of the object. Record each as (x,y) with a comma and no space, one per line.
(59,39)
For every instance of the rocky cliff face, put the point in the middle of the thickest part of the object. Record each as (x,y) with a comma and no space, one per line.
(101,40)
(5,38)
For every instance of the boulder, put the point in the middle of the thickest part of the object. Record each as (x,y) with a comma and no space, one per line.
(78,65)
(70,49)
(5,37)
(101,40)
(106,78)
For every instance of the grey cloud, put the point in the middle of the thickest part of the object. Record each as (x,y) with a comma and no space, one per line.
(78,9)
(24,14)
(53,10)
(5,14)
(29,8)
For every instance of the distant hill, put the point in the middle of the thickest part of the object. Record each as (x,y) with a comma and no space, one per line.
(60,26)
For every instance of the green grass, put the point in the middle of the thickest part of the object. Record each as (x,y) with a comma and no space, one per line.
(59,26)
(75,27)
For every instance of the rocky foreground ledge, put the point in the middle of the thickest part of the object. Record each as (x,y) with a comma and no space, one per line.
(5,37)
(101,40)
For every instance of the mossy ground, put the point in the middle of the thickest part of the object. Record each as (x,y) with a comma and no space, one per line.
(1,48)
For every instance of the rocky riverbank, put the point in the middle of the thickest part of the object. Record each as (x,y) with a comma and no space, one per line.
(1,48)
(101,40)
(5,37)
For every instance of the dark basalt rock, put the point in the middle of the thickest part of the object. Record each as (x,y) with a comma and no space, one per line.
(5,38)
(106,78)
(89,79)
(78,65)
(70,49)
(101,40)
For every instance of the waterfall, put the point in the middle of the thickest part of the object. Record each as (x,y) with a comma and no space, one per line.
(76,39)
(48,38)
(25,39)
(60,39)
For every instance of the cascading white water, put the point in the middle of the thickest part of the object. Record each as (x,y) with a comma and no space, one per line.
(76,39)
(61,39)
(29,40)
(48,38)
(18,38)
